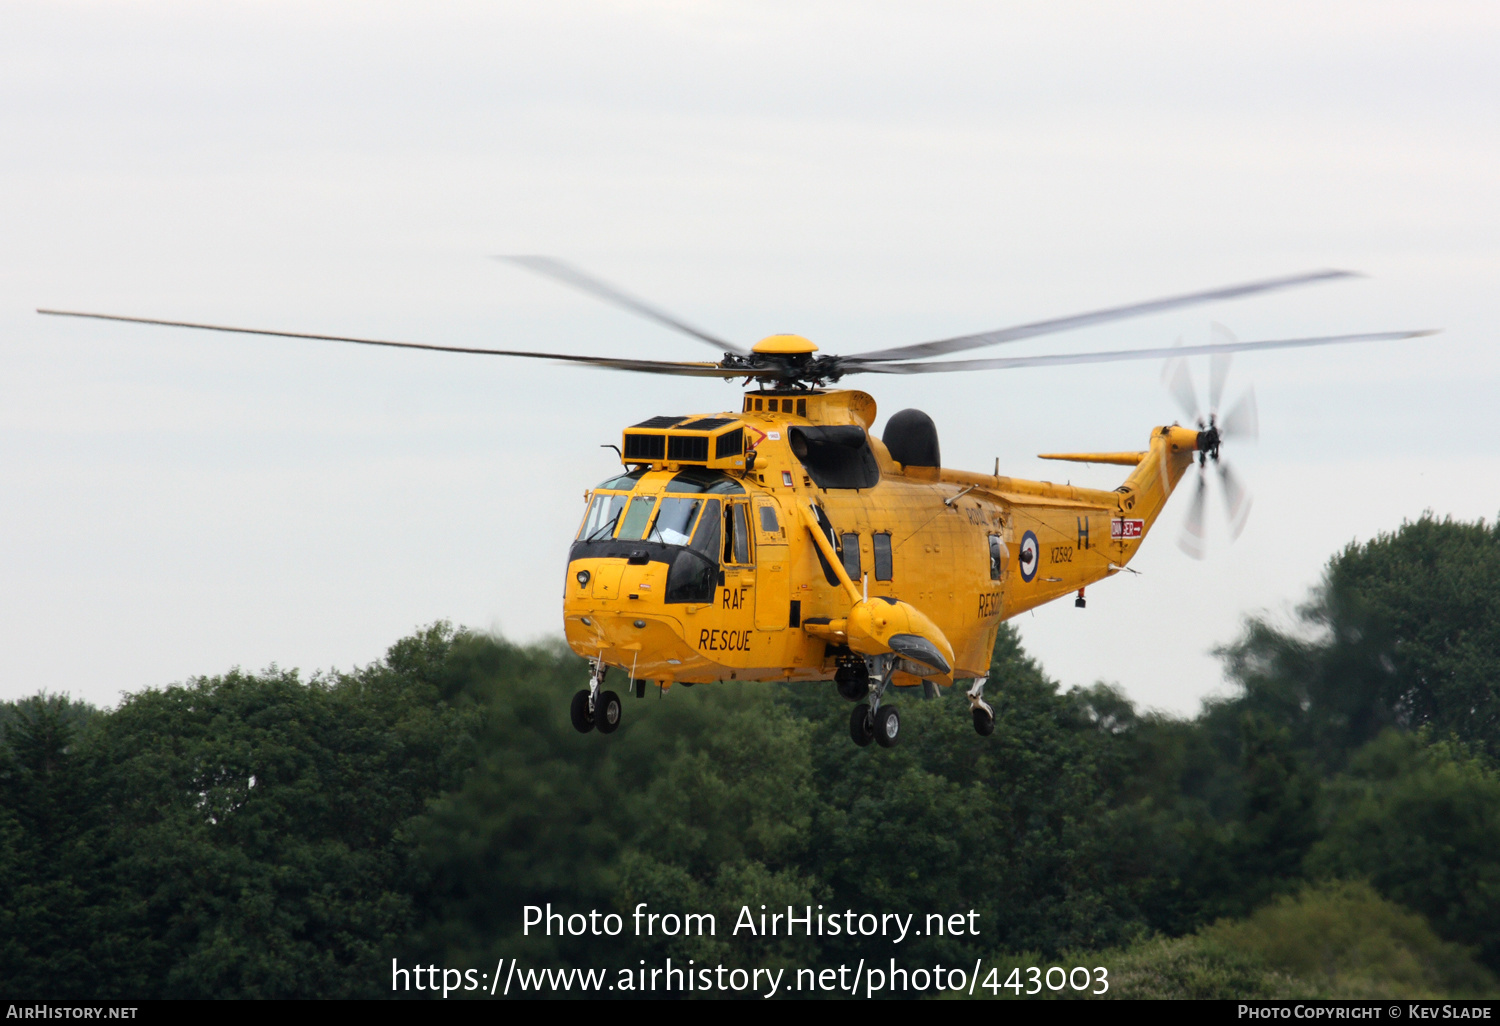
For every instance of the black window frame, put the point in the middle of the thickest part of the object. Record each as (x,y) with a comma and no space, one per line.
(849,552)
(882,540)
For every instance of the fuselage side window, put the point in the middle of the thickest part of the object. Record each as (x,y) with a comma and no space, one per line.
(637,518)
(851,556)
(674,520)
(603,515)
(882,545)
(768,520)
(997,557)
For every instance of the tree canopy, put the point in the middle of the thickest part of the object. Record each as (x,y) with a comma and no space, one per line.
(262,835)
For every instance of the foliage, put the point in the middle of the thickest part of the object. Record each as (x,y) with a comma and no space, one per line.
(1333,940)
(1404,632)
(1421,821)
(261,835)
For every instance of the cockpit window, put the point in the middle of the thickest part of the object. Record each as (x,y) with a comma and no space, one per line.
(624,482)
(706,538)
(604,514)
(696,479)
(737,534)
(637,518)
(674,521)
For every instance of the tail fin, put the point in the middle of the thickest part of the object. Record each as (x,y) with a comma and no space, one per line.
(1145,492)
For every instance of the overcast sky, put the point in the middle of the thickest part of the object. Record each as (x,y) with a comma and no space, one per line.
(177,504)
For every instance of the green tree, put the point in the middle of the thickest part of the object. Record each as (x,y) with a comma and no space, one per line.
(259,820)
(1421,821)
(1403,632)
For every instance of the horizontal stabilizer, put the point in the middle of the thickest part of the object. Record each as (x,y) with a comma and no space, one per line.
(1124,459)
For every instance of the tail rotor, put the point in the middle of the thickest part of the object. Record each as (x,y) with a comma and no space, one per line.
(1240,423)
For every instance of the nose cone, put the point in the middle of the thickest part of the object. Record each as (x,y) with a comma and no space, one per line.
(785,345)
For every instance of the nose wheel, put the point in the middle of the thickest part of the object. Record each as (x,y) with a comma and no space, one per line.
(872,721)
(593,708)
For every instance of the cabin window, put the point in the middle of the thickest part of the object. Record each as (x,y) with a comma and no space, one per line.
(603,515)
(851,556)
(882,545)
(768,521)
(675,520)
(997,557)
(736,534)
(637,518)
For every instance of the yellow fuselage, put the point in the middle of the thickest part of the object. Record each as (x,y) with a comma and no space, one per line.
(967,550)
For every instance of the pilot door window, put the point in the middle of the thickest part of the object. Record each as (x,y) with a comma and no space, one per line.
(736,534)
(706,538)
(997,557)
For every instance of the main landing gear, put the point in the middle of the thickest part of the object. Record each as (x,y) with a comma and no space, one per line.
(984,716)
(874,722)
(593,708)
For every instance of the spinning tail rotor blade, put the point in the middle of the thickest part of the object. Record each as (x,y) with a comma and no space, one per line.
(1193,540)
(1218,365)
(1241,422)
(1180,384)
(1236,498)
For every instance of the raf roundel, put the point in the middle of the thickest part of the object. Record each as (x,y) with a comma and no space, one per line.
(1030,557)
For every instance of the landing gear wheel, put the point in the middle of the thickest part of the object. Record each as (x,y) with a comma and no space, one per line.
(607,712)
(861,726)
(582,721)
(984,723)
(888,726)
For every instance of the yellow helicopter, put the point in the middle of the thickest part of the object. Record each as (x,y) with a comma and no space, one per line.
(783,541)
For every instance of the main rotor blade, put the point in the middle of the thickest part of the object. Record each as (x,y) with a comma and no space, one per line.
(1114,313)
(852,366)
(702,370)
(569,275)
